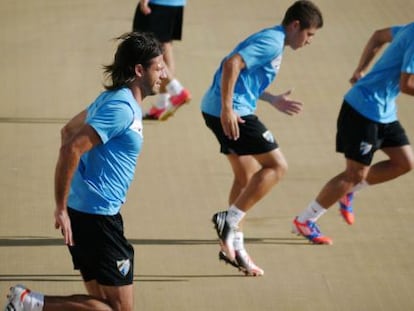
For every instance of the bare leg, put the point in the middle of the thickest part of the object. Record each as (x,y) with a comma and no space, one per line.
(170,64)
(244,167)
(105,298)
(342,183)
(401,161)
(169,58)
(272,167)
(75,302)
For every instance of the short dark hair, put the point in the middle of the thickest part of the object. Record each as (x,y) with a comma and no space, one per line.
(135,48)
(306,12)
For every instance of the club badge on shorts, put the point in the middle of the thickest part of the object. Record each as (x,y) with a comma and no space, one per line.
(123,266)
(365,147)
(268,136)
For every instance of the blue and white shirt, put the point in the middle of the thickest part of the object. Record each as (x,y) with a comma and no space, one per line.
(105,172)
(262,53)
(374,96)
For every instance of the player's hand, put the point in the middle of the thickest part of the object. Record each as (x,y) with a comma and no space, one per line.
(286,105)
(143,6)
(230,123)
(62,222)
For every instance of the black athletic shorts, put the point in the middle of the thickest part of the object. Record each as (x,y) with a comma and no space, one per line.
(254,138)
(165,22)
(101,251)
(358,138)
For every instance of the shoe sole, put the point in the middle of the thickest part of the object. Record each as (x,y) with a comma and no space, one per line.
(223,257)
(349,220)
(297,232)
(169,113)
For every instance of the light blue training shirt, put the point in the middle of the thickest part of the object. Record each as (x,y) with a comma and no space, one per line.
(105,172)
(262,53)
(374,96)
(169,2)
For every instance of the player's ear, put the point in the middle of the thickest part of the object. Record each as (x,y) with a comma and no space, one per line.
(139,70)
(295,25)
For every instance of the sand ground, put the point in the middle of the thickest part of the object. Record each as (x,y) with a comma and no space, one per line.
(51,57)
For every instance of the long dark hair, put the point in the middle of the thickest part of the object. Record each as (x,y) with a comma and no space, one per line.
(134,48)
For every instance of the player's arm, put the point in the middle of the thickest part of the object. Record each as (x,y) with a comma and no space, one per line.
(407,83)
(229,119)
(69,156)
(73,126)
(377,40)
(282,102)
(144,7)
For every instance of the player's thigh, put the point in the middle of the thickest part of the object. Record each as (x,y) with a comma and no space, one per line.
(243,166)
(402,156)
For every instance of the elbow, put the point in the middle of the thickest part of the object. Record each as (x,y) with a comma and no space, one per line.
(407,84)
(408,90)
(64,132)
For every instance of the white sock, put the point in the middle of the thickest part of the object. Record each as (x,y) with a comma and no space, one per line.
(363,184)
(312,212)
(234,216)
(162,100)
(238,242)
(174,87)
(34,301)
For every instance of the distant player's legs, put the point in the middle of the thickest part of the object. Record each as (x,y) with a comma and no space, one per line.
(169,58)
(172,94)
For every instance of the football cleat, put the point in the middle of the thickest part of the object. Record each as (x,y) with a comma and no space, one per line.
(311,231)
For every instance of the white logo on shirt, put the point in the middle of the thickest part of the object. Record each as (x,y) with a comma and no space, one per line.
(137,127)
(276,63)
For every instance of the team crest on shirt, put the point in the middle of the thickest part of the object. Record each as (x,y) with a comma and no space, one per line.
(123,266)
(137,127)
(268,136)
(276,63)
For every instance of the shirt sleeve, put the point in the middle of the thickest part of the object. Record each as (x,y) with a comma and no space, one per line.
(408,59)
(260,51)
(407,45)
(395,30)
(110,119)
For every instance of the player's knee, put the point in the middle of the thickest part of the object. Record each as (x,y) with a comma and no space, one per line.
(408,165)
(281,168)
(121,306)
(276,172)
(354,177)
